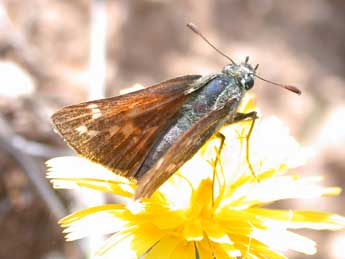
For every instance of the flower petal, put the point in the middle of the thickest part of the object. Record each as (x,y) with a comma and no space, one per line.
(183,250)
(283,187)
(119,245)
(86,222)
(193,230)
(164,248)
(278,239)
(301,219)
(88,174)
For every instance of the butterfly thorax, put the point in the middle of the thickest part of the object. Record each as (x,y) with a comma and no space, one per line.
(223,89)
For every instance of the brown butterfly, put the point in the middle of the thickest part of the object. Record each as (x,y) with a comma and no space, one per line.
(149,134)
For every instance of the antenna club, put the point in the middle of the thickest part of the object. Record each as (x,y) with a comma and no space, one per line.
(193,27)
(293,89)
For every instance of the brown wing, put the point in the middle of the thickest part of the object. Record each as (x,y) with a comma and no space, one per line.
(181,151)
(118,132)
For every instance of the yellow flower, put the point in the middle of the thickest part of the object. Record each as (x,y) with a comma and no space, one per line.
(207,209)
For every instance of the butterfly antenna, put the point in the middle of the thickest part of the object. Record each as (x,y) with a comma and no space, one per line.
(193,27)
(291,88)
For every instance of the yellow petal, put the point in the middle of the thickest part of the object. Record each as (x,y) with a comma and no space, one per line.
(78,167)
(247,104)
(86,222)
(302,219)
(86,174)
(283,187)
(164,248)
(118,188)
(202,198)
(193,230)
(230,250)
(183,250)
(138,239)
(160,216)
(217,233)
(278,239)
(238,221)
(86,212)
(119,245)
(209,249)
(145,237)
(256,249)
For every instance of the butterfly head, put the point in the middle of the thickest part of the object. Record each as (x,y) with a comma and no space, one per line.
(244,73)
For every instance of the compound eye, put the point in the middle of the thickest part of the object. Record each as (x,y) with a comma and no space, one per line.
(249,84)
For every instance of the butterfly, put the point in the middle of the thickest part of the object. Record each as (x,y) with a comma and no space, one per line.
(149,134)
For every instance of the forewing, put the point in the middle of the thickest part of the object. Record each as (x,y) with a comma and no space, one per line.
(181,151)
(118,132)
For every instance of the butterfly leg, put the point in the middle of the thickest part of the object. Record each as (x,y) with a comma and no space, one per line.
(244,116)
(221,137)
(197,256)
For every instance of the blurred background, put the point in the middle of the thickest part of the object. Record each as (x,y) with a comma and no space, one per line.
(54,53)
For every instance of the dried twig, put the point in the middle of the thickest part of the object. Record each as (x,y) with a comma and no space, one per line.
(34,172)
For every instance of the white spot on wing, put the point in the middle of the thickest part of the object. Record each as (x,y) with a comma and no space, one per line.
(92,106)
(81,129)
(96,113)
(92,133)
